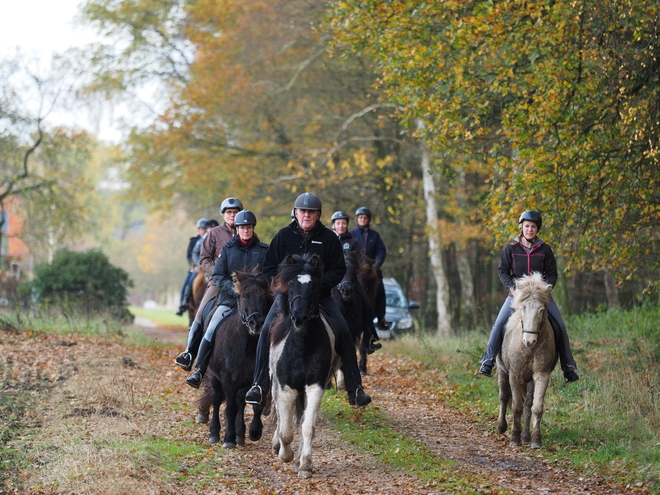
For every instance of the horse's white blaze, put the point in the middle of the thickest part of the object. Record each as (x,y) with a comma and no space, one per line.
(304,278)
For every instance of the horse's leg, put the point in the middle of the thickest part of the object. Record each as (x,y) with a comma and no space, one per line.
(540,387)
(218,397)
(527,412)
(314,395)
(505,399)
(256,425)
(285,411)
(240,419)
(517,401)
(231,411)
(362,365)
(340,380)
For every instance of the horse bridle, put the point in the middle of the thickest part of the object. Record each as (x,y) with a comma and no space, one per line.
(313,310)
(246,319)
(522,326)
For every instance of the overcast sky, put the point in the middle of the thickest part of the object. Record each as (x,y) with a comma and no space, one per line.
(41,28)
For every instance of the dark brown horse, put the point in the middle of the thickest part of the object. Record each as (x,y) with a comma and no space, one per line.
(232,361)
(526,360)
(351,306)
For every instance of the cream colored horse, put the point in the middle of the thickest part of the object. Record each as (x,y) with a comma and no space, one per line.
(526,360)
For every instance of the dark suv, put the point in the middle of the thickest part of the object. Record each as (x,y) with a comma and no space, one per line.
(397,310)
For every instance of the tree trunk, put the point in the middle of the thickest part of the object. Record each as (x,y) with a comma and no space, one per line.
(611,292)
(435,245)
(468,304)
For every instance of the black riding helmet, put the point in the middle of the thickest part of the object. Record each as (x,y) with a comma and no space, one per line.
(245,217)
(338,215)
(531,216)
(202,223)
(231,203)
(308,201)
(363,210)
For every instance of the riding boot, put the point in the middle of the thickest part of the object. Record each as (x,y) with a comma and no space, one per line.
(566,360)
(187,357)
(367,311)
(183,305)
(196,377)
(374,345)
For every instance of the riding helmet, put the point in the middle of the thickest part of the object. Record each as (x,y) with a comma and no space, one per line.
(202,223)
(308,201)
(212,223)
(231,203)
(245,217)
(363,210)
(531,216)
(337,215)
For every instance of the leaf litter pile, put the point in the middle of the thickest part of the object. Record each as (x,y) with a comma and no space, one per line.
(115,418)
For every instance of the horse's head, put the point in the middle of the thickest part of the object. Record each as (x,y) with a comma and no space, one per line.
(254,298)
(530,298)
(300,278)
(347,283)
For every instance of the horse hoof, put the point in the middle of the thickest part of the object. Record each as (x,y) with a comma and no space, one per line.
(202,419)
(228,445)
(214,440)
(255,435)
(514,444)
(536,445)
(304,474)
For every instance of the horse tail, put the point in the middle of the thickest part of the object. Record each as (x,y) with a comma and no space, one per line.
(205,401)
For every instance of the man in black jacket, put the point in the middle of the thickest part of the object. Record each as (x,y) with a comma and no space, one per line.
(306,234)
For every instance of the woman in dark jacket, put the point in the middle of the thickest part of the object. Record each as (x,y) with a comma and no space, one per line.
(528,253)
(243,252)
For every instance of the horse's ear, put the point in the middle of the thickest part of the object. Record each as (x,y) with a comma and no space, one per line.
(315,260)
(289,260)
(235,277)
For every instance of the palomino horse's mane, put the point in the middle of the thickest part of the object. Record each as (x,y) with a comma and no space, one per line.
(531,287)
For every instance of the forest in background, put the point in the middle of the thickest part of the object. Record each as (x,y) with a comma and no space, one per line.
(447,119)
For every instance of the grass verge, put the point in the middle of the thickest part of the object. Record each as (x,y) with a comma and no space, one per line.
(607,423)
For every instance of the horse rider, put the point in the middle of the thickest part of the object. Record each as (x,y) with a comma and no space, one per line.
(243,252)
(186,290)
(216,238)
(197,250)
(528,253)
(306,234)
(373,248)
(339,222)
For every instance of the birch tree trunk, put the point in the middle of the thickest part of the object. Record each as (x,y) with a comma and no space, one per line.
(435,245)
(468,304)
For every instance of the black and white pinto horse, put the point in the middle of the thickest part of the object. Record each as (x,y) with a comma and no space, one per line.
(231,368)
(302,356)
(351,306)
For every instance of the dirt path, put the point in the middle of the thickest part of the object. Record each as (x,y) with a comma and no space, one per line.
(110,393)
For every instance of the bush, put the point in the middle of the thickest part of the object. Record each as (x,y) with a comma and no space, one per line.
(83,281)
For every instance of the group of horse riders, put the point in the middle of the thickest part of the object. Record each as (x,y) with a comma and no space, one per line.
(235,246)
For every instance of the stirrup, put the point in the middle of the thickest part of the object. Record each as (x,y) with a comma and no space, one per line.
(184,360)
(255,395)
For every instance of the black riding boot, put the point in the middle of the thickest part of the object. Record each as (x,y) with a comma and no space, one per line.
(566,360)
(196,377)
(183,305)
(187,357)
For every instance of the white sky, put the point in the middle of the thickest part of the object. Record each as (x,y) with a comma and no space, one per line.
(41,28)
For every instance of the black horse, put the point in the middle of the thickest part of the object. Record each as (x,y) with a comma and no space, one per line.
(351,305)
(233,358)
(302,355)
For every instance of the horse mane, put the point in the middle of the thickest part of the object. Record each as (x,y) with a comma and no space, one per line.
(243,279)
(531,287)
(294,265)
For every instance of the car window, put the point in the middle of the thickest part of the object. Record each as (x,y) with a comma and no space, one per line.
(394,297)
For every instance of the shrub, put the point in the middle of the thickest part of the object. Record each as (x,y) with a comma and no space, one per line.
(83,281)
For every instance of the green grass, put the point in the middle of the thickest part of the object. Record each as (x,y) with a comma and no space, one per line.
(164,317)
(606,423)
